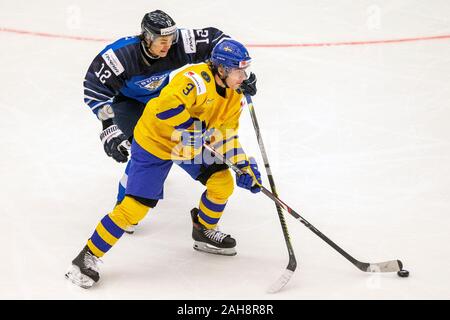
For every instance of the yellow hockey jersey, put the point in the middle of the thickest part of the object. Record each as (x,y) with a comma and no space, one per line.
(191,94)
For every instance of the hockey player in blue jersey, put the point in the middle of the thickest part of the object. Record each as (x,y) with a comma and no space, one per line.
(126,74)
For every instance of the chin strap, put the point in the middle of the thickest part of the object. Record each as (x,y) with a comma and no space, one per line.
(146,50)
(224,78)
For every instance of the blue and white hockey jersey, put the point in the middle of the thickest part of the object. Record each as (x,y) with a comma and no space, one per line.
(124,67)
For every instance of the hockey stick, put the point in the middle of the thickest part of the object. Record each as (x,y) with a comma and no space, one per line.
(292,265)
(386,266)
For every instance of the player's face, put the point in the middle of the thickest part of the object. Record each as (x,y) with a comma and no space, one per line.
(160,46)
(236,77)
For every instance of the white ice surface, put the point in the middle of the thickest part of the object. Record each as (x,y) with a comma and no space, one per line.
(358,138)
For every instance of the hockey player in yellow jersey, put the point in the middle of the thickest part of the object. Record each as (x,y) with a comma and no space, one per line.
(161,126)
(202,103)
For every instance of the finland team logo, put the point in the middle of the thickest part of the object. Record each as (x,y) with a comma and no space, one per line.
(152,83)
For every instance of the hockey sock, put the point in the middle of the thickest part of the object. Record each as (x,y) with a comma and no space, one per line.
(210,211)
(112,226)
(104,237)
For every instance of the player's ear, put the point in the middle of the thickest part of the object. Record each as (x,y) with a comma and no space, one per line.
(221,71)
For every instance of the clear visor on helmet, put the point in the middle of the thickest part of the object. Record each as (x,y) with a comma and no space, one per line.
(243,72)
(238,73)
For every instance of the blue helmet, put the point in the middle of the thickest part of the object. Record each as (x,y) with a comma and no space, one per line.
(230,54)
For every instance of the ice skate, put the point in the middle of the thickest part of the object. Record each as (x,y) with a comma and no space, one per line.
(84,269)
(211,240)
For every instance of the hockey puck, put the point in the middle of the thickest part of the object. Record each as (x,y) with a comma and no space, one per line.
(403,273)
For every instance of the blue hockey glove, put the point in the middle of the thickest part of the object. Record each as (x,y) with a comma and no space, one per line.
(251,179)
(249,86)
(194,136)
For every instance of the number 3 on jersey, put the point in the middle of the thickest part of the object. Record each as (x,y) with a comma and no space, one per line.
(188,89)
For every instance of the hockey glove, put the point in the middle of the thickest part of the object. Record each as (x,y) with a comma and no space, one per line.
(115,143)
(194,136)
(251,178)
(249,86)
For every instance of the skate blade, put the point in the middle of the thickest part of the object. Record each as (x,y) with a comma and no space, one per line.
(204,247)
(76,277)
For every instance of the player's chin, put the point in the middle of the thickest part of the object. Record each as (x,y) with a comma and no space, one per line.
(162,54)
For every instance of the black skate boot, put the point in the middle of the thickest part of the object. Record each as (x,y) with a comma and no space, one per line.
(211,240)
(84,269)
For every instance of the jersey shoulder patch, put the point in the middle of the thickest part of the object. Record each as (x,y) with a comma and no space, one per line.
(198,82)
(113,62)
(188,40)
